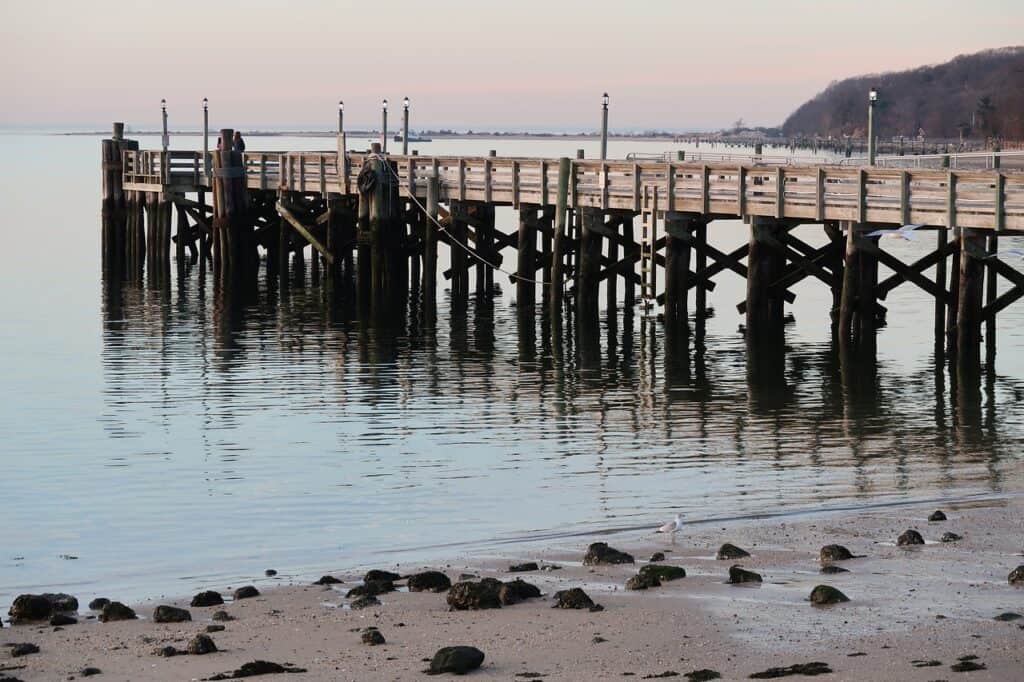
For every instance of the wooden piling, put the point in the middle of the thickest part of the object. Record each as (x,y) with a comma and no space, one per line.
(630,249)
(430,242)
(765,310)
(991,294)
(558,246)
(971,284)
(678,236)
(589,264)
(858,304)
(953,311)
(459,257)
(611,284)
(701,294)
(525,265)
(230,226)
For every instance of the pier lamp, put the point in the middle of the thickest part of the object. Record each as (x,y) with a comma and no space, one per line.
(604,126)
(206,135)
(163,114)
(341,117)
(872,100)
(405,126)
(384,126)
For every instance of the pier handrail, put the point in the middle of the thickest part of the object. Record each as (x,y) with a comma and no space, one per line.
(941,198)
(721,157)
(973,160)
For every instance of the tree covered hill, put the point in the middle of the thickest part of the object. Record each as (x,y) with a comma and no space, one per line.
(980,94)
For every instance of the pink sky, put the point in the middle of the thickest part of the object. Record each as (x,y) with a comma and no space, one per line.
(523,64)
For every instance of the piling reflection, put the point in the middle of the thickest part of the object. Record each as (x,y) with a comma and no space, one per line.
(644,397)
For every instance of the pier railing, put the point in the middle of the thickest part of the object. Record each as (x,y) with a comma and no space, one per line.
(976,199)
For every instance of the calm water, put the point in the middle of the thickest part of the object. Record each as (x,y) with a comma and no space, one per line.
(170,440)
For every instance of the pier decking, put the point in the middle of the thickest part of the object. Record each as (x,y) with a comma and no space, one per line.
(375,220)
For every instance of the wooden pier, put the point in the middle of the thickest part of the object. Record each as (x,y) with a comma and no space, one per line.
(376,220)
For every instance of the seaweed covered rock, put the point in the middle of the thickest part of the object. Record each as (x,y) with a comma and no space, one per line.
(826,594)
(429,581)
(729,552)
(574,598)
(468,595)
(455,659)
(599,553)
(909,537)
(170,614)
(834,553)
(664,573)
(738,575)
(207,598)
(115,610)
(516,591)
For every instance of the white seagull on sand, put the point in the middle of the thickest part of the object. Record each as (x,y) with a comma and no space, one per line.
(672,526)
(905,232)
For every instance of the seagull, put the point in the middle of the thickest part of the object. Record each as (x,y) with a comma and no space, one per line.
(1019,253)
(905,232)
(672,526)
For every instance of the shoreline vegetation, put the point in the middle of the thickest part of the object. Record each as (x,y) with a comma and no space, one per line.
(910,592)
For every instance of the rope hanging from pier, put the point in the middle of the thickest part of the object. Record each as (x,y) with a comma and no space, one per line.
(511,275)
(367,179)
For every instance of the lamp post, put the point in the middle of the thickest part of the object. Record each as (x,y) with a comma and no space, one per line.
(341,117)
(604,126)
(206,136)
(405,126)
(872,99)
(165,142)
(384,127)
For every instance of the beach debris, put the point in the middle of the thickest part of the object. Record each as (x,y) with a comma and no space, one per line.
(826,594)
(598,639)
(471,595)
(738,574)
(254,668)
(375,574)
(62,619)
(327,580)
(455,659)
(1008,616)
(215,628)
(371,589)
(831,570)
(925,664)
(429,581)
(1016,576)
(702,675)
(657,556)
(967,664)
(23,649)
(222,616)
(372,637)
(951,537)
(658,676)
(909,537)
(170,614)
(167,651)
(809,669)
(90,671)
(115,610)
(575,598)
(29,607)
(730,551)
(270,573)
(98,603)
(937,515)
(364,602)
(834,553)
(207,598)
(599,553)
(246,592)
(516,591)
(201,645)
(522,568)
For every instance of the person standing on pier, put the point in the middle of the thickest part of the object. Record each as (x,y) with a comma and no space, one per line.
(238,144)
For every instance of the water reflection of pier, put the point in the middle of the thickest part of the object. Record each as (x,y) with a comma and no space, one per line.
(636,400)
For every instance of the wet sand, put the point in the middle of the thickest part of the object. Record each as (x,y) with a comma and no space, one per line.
(935,602)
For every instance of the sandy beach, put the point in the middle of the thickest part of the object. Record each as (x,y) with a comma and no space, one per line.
(914,612)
